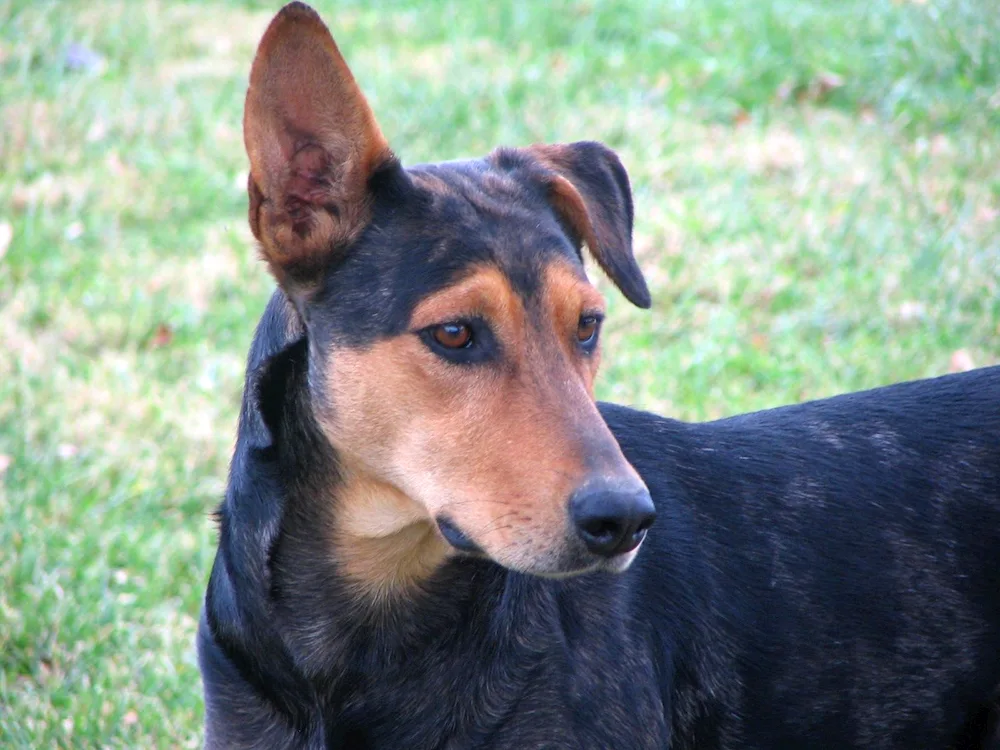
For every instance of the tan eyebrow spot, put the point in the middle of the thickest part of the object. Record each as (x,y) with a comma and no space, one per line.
(569,295)
(486,292)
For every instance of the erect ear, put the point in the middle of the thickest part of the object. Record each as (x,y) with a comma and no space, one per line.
(313,144)
(589,188)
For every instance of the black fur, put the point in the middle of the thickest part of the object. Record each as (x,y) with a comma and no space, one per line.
(824,575)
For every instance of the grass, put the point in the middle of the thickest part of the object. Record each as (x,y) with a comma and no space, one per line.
(818,193)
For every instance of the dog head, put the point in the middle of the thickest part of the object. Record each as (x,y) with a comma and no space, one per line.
(453,334)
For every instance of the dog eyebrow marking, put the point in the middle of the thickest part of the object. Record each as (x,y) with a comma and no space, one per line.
(484,291)
(568,294)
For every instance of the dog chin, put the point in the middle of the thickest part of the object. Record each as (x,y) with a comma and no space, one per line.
(616,564)
(620,563)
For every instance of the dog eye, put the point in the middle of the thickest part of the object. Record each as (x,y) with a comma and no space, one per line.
(462,342)
(586,332)
(453,335)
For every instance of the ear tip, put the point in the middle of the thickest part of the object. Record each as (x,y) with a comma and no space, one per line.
(294,15)
(641,298)
(297,9)
(632,283)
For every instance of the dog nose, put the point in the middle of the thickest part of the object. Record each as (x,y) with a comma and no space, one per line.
(612,519)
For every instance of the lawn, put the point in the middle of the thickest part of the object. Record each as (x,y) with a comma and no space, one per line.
(818,210)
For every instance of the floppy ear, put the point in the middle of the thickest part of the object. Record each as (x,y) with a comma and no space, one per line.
(313,144)
(589,188)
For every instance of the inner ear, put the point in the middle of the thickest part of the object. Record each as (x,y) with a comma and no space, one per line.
(572,211)
(313,145)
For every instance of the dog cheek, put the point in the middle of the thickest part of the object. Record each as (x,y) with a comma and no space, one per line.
(360,414)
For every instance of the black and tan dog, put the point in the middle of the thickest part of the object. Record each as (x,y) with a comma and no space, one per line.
(433,537)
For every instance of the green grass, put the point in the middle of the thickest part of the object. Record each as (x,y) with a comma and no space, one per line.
(818,193)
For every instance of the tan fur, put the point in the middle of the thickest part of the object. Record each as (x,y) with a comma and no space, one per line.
(498,448)
(569,296)
(566,199)
(383,541)
(313,144)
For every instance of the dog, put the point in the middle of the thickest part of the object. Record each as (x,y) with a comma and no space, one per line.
(433,536)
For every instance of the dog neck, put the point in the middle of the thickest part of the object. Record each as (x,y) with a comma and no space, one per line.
(382,541)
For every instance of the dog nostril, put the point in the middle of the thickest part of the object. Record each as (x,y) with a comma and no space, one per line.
(602,529)
(612,521)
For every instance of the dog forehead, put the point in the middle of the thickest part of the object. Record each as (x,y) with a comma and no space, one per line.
(475,196)
(481,214)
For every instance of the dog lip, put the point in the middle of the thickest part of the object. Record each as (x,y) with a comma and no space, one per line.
(456,537)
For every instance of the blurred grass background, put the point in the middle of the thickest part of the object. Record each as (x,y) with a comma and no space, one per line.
(818,193)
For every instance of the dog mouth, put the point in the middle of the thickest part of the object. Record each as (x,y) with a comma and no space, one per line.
(457,538)
(614,565)
(575,560)
(620,563)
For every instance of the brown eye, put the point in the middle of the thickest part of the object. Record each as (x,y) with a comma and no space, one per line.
(586,332)
(453,335)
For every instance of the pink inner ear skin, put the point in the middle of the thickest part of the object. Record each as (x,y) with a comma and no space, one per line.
(309,188)
(312,175)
